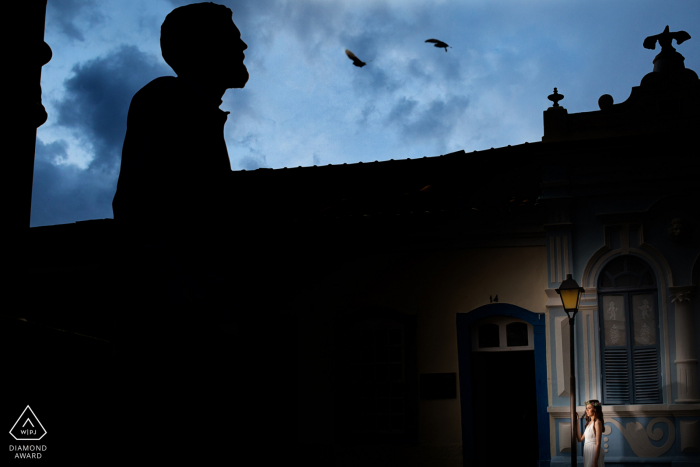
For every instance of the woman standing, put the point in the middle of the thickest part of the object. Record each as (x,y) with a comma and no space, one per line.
(593,455)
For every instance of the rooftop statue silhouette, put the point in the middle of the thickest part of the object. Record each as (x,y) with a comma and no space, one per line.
(665,39)
(668,59)
(175,364)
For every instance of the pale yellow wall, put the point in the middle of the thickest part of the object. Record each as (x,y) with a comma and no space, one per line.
(435,286)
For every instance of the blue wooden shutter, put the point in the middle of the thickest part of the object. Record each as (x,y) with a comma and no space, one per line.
(616,376)
(645,352)
(647,388)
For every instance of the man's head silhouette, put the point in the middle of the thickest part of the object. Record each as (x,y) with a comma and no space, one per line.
(201,42)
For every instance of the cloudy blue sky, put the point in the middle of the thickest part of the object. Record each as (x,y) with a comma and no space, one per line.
(306,104)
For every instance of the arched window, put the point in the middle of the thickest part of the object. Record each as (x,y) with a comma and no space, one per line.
(627,303)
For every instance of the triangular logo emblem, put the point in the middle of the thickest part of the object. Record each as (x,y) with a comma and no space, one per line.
(27,427)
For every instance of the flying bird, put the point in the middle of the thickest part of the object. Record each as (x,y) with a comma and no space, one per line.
(355,61)
(665,39)
(439,44)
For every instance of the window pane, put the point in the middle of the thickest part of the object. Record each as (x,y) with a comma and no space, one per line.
(488,335)
(626,280)
(516,334)
(614,320)
(606,280)
(635,265)
(644,319)
(616,266)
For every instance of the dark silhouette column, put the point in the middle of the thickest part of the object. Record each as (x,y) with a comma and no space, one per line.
(24,58)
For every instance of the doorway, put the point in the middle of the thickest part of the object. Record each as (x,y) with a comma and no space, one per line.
(504,408)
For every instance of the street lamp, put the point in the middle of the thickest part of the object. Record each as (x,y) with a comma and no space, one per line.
(570,294)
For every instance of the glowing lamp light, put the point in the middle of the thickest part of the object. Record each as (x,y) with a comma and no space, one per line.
(570,294)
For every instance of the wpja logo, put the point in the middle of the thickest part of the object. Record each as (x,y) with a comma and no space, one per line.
(28,428)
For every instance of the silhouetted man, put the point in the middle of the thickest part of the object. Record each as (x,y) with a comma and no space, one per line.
(174,160)
(178,370)
(172,196)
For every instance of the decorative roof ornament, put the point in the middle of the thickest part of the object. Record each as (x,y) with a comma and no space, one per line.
(556,97)
(665,39)
(668,59)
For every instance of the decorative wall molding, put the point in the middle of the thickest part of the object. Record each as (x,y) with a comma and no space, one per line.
(559,258)
(686,357)
(632,411)
(565,437)
(680,297)
(552,298)
(586,321)
(638,437)
(690,436)
(625,245)
(681,293)
(561,332)
(550,391)
(593,265)
(590,383)
(589,299)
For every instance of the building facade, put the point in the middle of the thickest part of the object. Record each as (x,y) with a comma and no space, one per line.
(420,323)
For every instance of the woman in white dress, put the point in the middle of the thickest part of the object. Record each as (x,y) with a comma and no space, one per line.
(593,454)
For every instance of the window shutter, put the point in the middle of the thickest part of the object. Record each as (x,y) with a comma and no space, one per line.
(627,301)
(646,376)
(616,376)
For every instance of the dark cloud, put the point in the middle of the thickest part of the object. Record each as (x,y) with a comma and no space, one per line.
(65,13)
(252,162)
(416,69)
(435,122)
(315,24)
(54,153)
(64,193)
(367,110)
(401,111)
(255,160)
(370,82)
(97,100)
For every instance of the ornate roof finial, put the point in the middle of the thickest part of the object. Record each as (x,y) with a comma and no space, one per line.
(555,98)
(668,59)
(665,39)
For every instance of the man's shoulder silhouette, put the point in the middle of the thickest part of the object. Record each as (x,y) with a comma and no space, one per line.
(174,153)
(165,95)
(159,88)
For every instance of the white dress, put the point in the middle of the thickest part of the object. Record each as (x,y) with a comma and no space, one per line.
(589,448)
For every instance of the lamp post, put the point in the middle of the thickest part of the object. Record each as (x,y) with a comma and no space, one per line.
(570,294)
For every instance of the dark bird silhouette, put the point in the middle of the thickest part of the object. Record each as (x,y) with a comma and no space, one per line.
(355,61)
(665,39)
(490,298)
(495,299)
(439,44)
